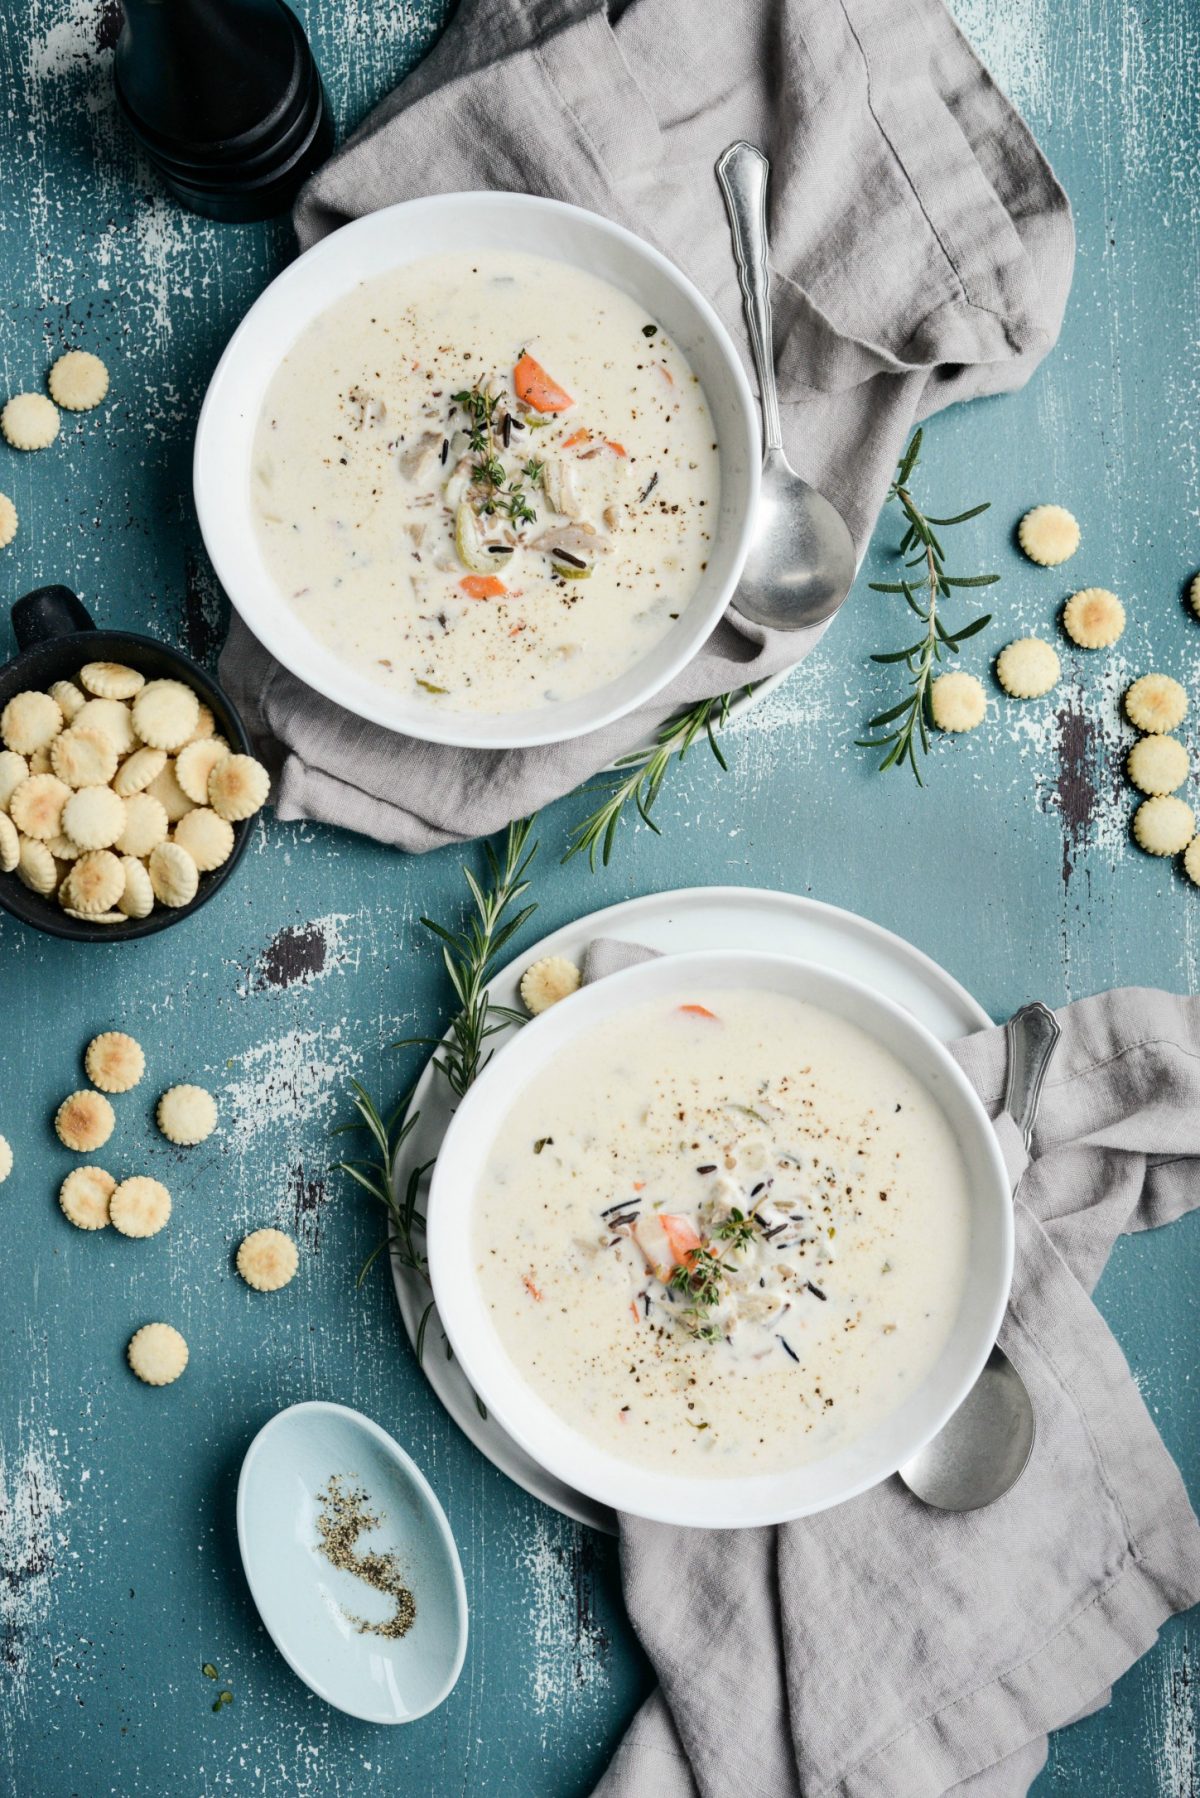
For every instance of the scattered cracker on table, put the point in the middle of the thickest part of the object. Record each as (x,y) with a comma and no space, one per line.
(195,762)
(110,680)
(37,805)
(1191,861)
(267,1260)
(30,721)
(173,875)
(63,849)
(1156,703)
(157,1354)
(165,714)
(83,757)
(8,521)
(78,381)
(29,421)
(187,1115)
(958,701)
(207,838)
(547,981)
(36,868)
(1048,535)
(146,825)
(138,770)
(1028,668)
(94,817)
(6,1159)
(238,787)
(1163,825)
(93,884)
(1157,764)
(84,1196)
(10,844)
(114,1061)
(139,1206)
(1093,618)
(84,1121)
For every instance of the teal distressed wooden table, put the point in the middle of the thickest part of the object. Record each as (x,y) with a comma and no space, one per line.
(119,1574)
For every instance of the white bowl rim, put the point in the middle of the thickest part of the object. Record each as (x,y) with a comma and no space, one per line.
(433,1505)
(218,418)
(491,1378)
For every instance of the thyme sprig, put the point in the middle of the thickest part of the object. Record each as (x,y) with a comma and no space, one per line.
(913,715)
(647,769)
(701,1278)
(470,957)
(497,492)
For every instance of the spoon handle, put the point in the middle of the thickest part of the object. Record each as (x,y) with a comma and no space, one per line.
(1033,1035)
(742,173)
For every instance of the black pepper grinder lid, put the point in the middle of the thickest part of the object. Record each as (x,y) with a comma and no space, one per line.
(226,99)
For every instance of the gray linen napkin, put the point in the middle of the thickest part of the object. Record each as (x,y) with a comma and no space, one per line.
(885,1650)
(922,253)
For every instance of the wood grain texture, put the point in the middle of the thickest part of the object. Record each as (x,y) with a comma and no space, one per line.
(118,1566)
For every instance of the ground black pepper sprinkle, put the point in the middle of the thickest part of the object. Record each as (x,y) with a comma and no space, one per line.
(343,1518)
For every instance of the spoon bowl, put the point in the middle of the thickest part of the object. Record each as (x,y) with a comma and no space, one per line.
(983,1450)
(985,1446)
(310,1607)
(801,563)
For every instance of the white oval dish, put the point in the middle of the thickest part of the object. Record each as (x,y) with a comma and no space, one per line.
(387,240)
(716,1503)
(303,1601)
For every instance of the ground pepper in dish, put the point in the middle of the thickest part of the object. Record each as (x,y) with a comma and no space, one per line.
(345,1516)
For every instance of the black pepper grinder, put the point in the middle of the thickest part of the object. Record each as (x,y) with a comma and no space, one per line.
(226,99)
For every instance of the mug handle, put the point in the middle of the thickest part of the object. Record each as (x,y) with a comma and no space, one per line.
(49,612)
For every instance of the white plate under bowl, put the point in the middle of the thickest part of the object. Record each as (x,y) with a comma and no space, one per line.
(690,918)
(667,1495)
(390,239)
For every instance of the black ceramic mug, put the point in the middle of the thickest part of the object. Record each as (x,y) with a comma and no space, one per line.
(56,637)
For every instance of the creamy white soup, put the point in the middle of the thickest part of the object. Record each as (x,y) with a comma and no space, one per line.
(723,1237)
(486,481)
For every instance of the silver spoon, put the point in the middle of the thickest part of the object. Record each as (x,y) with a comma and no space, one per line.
(801,562)
(984,1449)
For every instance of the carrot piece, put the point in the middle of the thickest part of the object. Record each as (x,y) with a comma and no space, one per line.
(580,436)
(535,387)
(633,1308)
(700,1011)
(618,449)
(639,1186)
(531,1289)
(681,1238)
(483,586)
(666,374)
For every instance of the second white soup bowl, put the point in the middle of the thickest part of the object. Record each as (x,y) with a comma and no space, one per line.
(720,1503)
(388,240)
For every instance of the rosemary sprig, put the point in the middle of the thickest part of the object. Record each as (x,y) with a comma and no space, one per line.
(470,959)
(648,768)
(376,1174)
(913,716)
(470,956)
